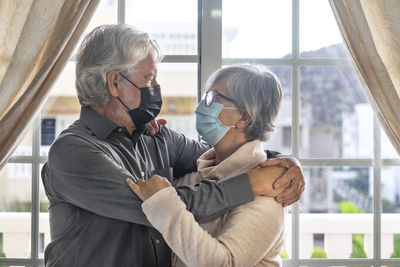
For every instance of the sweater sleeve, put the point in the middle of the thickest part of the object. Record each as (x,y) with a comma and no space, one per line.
(250,231)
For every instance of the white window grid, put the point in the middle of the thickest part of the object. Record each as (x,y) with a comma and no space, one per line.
(209,58)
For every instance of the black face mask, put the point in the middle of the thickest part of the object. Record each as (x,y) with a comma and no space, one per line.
(150,104)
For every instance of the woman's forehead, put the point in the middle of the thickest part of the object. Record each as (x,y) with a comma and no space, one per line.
(220,86)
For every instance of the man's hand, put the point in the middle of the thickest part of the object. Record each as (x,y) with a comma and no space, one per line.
(145,189)
(262,180)
(291,182)
(152,126)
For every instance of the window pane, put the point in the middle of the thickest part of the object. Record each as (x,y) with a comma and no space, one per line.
(390,191)
(106,13)
(334,113)
(262,32)
(179,90)
(326,227)
(388,151)
(172,23)
(61,109)
(15,210)
(287,250)
(44,223)
(319,34)
(281,139)
(25,147)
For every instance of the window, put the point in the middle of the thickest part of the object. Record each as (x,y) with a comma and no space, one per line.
(48,131)
(349,212)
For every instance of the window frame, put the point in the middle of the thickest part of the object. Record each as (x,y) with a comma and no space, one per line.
(209,58)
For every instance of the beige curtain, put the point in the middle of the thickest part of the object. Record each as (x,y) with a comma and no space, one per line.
(37,37)
(371,30)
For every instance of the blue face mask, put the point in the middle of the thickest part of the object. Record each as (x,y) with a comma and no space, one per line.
(208,125)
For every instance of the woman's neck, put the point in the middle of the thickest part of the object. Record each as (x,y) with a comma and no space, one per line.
(226,147)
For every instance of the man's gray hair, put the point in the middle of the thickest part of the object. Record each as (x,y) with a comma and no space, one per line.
(117,47)
(257,91)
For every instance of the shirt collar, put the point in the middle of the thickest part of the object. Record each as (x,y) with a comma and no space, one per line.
(100,125)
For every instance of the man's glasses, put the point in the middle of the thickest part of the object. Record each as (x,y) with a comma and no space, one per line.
(210,96)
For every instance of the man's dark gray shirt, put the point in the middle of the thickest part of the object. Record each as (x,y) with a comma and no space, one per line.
(95,219)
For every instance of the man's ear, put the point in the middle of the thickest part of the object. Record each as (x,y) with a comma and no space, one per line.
(244,121)
(112,82)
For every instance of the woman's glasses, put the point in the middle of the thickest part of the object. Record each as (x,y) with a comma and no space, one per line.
(210,96)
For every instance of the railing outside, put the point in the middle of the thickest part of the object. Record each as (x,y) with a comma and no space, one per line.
(337,229)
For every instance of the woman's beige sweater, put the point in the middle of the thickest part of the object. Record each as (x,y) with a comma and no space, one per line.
(249,235)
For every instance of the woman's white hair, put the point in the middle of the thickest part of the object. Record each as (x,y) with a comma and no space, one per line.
(117,47)
(256,91)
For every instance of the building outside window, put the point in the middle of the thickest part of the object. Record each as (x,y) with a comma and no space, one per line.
(350,211)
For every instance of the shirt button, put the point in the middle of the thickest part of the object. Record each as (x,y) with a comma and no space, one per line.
(119,129)
(158,241)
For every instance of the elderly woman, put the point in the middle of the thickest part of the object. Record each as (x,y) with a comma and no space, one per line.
(236,115)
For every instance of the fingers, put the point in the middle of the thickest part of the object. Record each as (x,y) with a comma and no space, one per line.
(158,180)
(162,121)
(294,189)
(281,162)
(285,180)
(152,127)
(286,162)
(270,162)
(135,188)
(290,195)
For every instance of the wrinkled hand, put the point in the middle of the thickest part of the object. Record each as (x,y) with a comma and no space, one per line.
(145,189)
(152,126)
(292,179)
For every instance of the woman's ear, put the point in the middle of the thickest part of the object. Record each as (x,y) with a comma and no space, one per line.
(244,121)
(112,82)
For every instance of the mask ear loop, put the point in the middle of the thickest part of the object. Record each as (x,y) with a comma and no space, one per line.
(232,108)
(116,86)
(129,81)
(123,103)
(245,115)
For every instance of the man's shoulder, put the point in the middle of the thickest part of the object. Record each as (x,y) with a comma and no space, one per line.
(165,133)
(75,136)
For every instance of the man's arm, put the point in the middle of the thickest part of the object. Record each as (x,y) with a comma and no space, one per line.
(80,173)
(211,199)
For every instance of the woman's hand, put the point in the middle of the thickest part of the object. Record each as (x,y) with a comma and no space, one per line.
(145,189)
(152,126)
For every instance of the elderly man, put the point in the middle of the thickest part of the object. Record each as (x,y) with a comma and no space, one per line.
(95,220)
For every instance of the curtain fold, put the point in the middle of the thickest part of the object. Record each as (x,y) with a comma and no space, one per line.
(371,30)
(38,37)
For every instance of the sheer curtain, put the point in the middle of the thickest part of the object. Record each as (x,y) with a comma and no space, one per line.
(371,30)
(37,38)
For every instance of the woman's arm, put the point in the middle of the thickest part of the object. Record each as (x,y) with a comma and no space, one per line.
(249,232)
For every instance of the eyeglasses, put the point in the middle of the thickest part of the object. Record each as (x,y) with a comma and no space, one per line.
(209,98)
